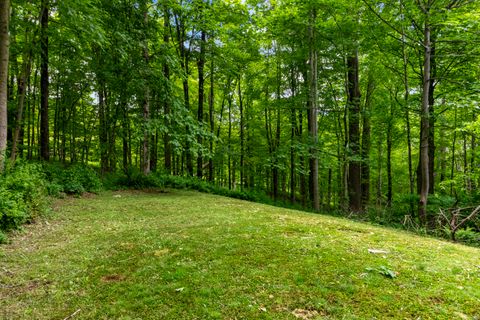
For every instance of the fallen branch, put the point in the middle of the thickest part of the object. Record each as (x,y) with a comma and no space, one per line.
(73,314)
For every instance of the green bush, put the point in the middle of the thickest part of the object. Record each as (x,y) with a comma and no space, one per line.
(75,179)
(23,195)
(133,179)
(13,211)
(468,236)
(24,189)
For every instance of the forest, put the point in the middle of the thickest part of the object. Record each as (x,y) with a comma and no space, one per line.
(366,108)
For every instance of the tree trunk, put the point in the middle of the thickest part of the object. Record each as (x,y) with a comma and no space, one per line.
(211,120)
(184,62)
(454,143)
(21,92)
(293,124)
(44,84)
(354,166)
(424,114)
(229,146)
(389,157)
(4,51)
(431,117)
(312,114)
(201,99)
(146,105)
(366,144)
(242,133)
(406,99)
(167,147)
(103,130)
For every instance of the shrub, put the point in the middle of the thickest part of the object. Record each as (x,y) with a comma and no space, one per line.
(468,236)
(133,179)
(23,195)
(75,179)
(13,211)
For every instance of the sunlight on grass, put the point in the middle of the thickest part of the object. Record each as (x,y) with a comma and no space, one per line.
(187,255)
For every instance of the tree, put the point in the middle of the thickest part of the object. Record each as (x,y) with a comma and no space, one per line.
(312,113)
(354,166)
(44,80)
(4,50)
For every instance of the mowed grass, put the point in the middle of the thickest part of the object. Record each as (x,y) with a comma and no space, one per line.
(187,255)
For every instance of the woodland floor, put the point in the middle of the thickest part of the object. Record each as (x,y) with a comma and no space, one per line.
(188,255)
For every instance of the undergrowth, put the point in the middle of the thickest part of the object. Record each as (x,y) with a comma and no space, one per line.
(26,188)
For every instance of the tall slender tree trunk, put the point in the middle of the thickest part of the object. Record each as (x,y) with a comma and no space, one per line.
(126,158)
(32,117)
(366,144)
(354,165)
(103,130)
(201,99)
(431,117)
(312,114)
(184,62)
(167,147)
(229,148)
(424,114)
(44,84)
(406,99)
(293,124)
(211,120)
(4,51)
(21,93)
(146,104)
(389,157)
(379,171)
(454,144)
(242,133)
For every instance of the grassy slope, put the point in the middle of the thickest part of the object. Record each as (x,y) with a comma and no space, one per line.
(186,255)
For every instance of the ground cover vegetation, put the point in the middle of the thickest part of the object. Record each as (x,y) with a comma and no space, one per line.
(187,255)
(367,108)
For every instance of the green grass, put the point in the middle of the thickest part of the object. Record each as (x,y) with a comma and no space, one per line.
(187,255)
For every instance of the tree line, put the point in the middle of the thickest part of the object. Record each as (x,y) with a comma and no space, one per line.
(329,104)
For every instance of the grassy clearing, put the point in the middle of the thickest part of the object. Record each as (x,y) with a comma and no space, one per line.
(187,255)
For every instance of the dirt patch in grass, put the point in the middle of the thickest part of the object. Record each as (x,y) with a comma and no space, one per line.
(113,278)
(307,314)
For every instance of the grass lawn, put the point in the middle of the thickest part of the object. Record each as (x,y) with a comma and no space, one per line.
(187,255)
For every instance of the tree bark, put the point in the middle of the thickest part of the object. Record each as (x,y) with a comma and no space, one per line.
(312,112)
(431,117)
(406,99)
(201,99)
(44,84)
(21,92)
(242,133)
(4,51)
(184,62)
(366,143)
(211,120)
(424,114)
(103,130)
(167,147)
(146,104)
(389,157)
(354,166)
(293,124)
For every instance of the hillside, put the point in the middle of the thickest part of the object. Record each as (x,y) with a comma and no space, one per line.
(187,255)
